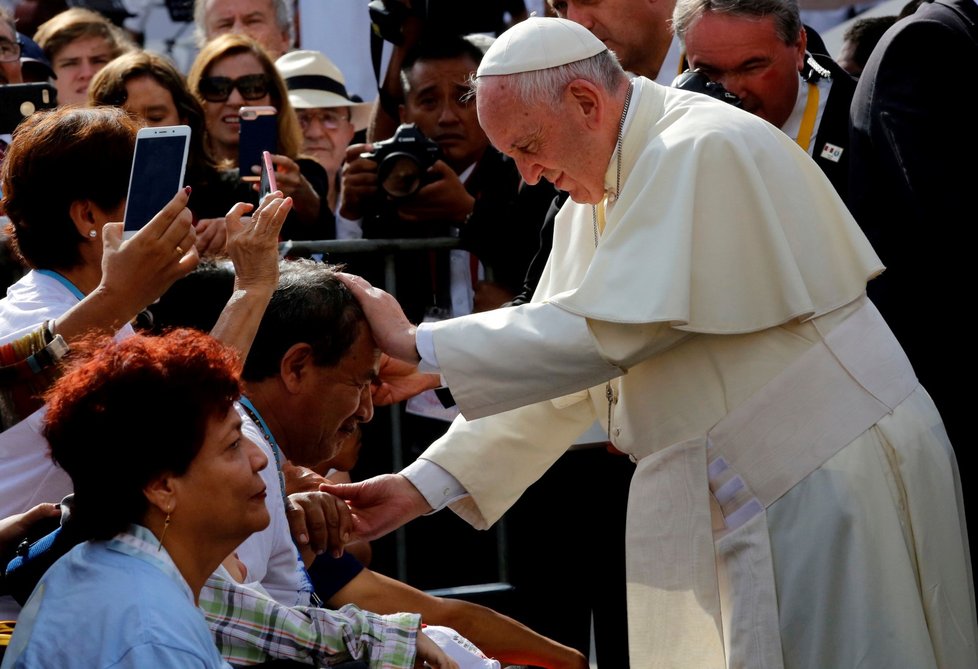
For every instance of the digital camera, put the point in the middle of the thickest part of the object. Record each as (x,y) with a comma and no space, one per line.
(698,82)
(403,161)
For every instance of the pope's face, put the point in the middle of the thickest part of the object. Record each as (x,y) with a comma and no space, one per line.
(748,58)
(545,142)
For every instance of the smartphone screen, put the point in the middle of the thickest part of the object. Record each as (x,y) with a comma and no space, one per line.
(257,132)
(158,167)
(267,184)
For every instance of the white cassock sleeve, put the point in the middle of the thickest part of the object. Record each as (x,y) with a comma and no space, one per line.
(533,353)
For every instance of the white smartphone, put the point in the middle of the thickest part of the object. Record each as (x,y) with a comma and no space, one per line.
(158,167)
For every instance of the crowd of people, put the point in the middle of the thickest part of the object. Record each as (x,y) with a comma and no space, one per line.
(733,289)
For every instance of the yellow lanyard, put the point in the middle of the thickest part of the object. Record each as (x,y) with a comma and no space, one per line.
(601,219)
(808,120)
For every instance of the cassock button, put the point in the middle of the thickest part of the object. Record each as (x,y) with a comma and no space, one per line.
(617,432)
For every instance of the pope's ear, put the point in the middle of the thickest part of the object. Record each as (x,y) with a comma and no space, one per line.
(294,366)
(586,100)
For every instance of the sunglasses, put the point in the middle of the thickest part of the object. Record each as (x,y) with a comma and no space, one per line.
(218,89)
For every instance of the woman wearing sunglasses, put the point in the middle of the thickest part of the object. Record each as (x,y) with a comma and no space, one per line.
(150,87)
(231,72)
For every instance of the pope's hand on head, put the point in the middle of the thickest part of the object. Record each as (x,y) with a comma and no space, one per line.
(391,329)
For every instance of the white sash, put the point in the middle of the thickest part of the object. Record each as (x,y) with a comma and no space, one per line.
(820,403)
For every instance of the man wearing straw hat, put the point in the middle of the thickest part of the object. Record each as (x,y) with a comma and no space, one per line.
(795,502)
(329,118)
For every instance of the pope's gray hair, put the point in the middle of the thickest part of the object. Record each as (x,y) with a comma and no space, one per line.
(787,21)
(547,86)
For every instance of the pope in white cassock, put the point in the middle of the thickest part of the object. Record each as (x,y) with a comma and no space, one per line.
(796,501)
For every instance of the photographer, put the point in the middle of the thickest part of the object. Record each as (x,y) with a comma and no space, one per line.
(467,189)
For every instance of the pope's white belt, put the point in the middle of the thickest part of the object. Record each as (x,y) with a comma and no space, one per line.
(835,391)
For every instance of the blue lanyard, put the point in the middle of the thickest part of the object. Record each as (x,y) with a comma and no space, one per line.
(63,281)
(277,452)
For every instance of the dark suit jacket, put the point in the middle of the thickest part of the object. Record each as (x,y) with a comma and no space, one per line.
(834,126)
(912,185)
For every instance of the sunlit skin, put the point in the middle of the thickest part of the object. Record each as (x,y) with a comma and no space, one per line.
(76,64)
(636,30)
(748,58)
(217,503)
(570,146)
(146,98)
(222,483)
(254,18)
(311,409)
(434,102)
(222,118)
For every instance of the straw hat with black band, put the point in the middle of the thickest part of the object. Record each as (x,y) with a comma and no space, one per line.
(314,82)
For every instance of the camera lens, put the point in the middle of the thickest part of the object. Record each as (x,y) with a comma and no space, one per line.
(400,175)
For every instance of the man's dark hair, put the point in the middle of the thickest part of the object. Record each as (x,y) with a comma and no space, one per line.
(309,306)
(864,34)
(438,47)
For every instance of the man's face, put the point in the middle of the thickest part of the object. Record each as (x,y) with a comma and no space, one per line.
(9,72)
(254,18)
(749,59)
(326,132)
(333,401)
(636,30)
(76,64)
(434,103)
(546,143)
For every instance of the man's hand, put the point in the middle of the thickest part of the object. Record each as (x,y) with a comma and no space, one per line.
(392,331)
(444,199)
(13,529)
(380,504)
(398,381)
(320,522)
(359,183)
(300,479)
